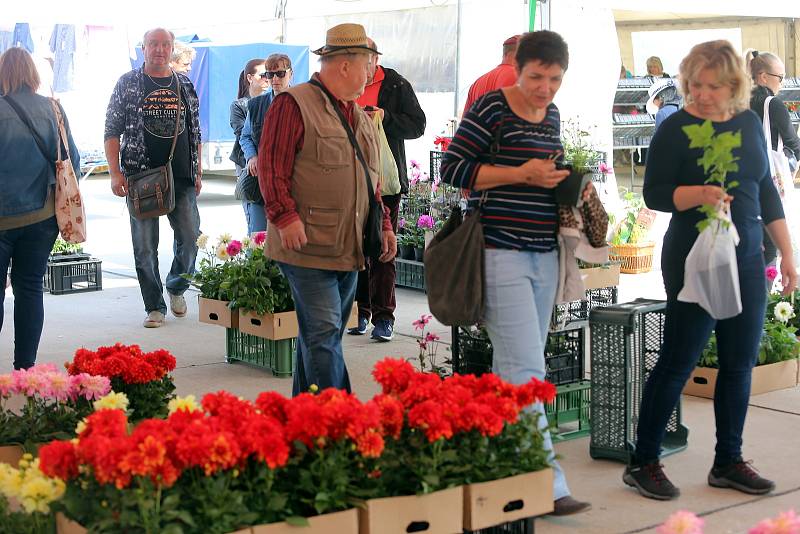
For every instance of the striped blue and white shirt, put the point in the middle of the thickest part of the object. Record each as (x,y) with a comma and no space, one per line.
(519,217)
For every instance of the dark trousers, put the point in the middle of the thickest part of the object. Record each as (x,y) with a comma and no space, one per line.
(375,289)
(27,249)
(687,329)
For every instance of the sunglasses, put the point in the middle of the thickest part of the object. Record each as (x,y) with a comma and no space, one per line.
(272,74)
(779,76)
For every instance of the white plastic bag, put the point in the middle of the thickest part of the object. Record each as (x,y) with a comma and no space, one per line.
(711,276)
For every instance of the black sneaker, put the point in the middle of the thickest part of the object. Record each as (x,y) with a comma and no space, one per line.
(361,329)
(740,476)
(650,481)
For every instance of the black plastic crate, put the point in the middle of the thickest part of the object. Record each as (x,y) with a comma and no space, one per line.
(564,354)
(625,345)
(578,310)
(471,351)
(73,275)
(409,273)
(520,526)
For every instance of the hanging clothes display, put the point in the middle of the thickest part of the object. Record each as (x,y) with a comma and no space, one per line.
(22,36)
(62,44)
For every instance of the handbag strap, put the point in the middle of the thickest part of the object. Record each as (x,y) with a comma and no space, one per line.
(350,134)
(177,117)
(61,130)
(27,121)
(494,149)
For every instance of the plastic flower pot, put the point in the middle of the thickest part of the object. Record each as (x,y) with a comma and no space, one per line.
(569,191)
(406,252)
(419,252)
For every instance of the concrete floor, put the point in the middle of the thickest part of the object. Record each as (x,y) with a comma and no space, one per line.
(115,314)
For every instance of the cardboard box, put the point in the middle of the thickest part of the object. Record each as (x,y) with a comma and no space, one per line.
(440,512)
(597,277)
(345,522)
(11,454)
(766,378)
(68,526)
(352,321)
(217,312)
(492,503)
(273,326)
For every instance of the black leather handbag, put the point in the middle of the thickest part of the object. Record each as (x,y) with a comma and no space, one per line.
(151,193)
(373,226)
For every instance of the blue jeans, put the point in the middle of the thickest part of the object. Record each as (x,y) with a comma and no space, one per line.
(323,300)
(185,223)
(520,293)
(687,328)
(27,249)
(256,218)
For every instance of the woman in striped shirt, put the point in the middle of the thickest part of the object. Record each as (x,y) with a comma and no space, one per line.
(520,215)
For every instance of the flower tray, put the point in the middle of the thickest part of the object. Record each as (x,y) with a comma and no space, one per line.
(440,512)
(345,522)
(11,454)
(633,258)
(770,377)
(74,276)
(275,355)
(410,274)
(488,504)
(571,410)
(274,326)
(217,312)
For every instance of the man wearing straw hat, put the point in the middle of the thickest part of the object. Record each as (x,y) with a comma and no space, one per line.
(314,184)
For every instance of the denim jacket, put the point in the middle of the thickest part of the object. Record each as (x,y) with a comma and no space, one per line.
(25,175)
(251,131)
(124,120)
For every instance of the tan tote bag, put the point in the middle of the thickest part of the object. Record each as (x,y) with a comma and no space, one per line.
(70,214)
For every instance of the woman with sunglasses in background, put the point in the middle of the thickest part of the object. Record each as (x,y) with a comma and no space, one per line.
(768,72)
(252,83)
(278,76)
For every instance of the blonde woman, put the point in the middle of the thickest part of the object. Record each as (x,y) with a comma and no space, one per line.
(715,87)
(655,68)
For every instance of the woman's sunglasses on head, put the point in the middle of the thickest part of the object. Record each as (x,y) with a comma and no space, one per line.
(271,74)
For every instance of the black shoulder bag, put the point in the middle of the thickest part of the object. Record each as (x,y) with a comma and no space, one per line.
(373,228)
(151,193)
(454,265)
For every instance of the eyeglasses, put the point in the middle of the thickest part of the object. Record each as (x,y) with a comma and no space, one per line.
(272,74)
(779,76)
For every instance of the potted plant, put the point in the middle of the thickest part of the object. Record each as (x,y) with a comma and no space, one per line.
(425,223)
(142,376)
(581,159)
(778,353)
(405,240)
(33,492)
(630,246)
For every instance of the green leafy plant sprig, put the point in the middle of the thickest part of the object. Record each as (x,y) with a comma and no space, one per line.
(717,161)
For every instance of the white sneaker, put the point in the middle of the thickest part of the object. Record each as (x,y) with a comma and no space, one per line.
(177,304)
(154,319)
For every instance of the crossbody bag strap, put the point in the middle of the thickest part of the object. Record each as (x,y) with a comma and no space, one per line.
(768,135)
(350,135)
(494,149)
(27,121)
(177,117)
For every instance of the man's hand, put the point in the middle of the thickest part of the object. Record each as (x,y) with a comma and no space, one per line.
(293,235)
(389,247)
(198,184)
(119,185)
(252,166)
(788,275)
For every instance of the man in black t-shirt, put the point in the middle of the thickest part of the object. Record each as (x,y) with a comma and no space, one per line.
(140,127)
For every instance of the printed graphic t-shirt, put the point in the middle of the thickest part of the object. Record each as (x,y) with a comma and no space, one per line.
(159,105)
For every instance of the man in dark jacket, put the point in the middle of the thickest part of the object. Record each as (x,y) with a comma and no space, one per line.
(390,96)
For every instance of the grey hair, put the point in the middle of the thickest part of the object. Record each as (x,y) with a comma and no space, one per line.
(148,32)
(182,51)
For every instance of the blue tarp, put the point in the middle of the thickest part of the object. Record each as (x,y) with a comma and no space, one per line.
(215,74)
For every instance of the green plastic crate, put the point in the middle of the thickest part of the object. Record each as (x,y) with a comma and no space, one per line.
(570,412)
(277,356)
(625,345)
(409,273)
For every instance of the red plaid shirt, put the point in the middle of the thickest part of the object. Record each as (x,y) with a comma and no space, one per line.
(281,139)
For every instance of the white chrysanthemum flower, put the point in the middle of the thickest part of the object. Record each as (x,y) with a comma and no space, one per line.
(202,241)
(784,311)
(225,238)
(222,251)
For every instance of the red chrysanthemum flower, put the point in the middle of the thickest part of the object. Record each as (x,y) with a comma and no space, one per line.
(370,444)
(58,459)
(393,374)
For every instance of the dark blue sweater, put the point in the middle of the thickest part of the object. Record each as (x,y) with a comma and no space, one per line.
(670,163)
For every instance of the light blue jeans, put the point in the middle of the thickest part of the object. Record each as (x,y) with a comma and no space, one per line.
(255,216)
(520,293)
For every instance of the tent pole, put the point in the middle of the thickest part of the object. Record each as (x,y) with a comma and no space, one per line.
(458,55)
(532,15)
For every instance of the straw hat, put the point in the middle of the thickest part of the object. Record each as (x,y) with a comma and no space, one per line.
(346,39)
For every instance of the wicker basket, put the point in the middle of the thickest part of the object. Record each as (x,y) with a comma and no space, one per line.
(633,258)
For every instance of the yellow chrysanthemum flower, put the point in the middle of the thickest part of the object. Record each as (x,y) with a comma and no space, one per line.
(112,401)
(187,403)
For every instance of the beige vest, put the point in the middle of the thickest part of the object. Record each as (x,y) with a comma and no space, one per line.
(329,186)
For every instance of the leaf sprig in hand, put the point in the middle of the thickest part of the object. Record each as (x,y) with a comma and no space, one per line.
(717,161)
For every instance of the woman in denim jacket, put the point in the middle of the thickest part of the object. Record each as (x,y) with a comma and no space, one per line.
(28,226)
